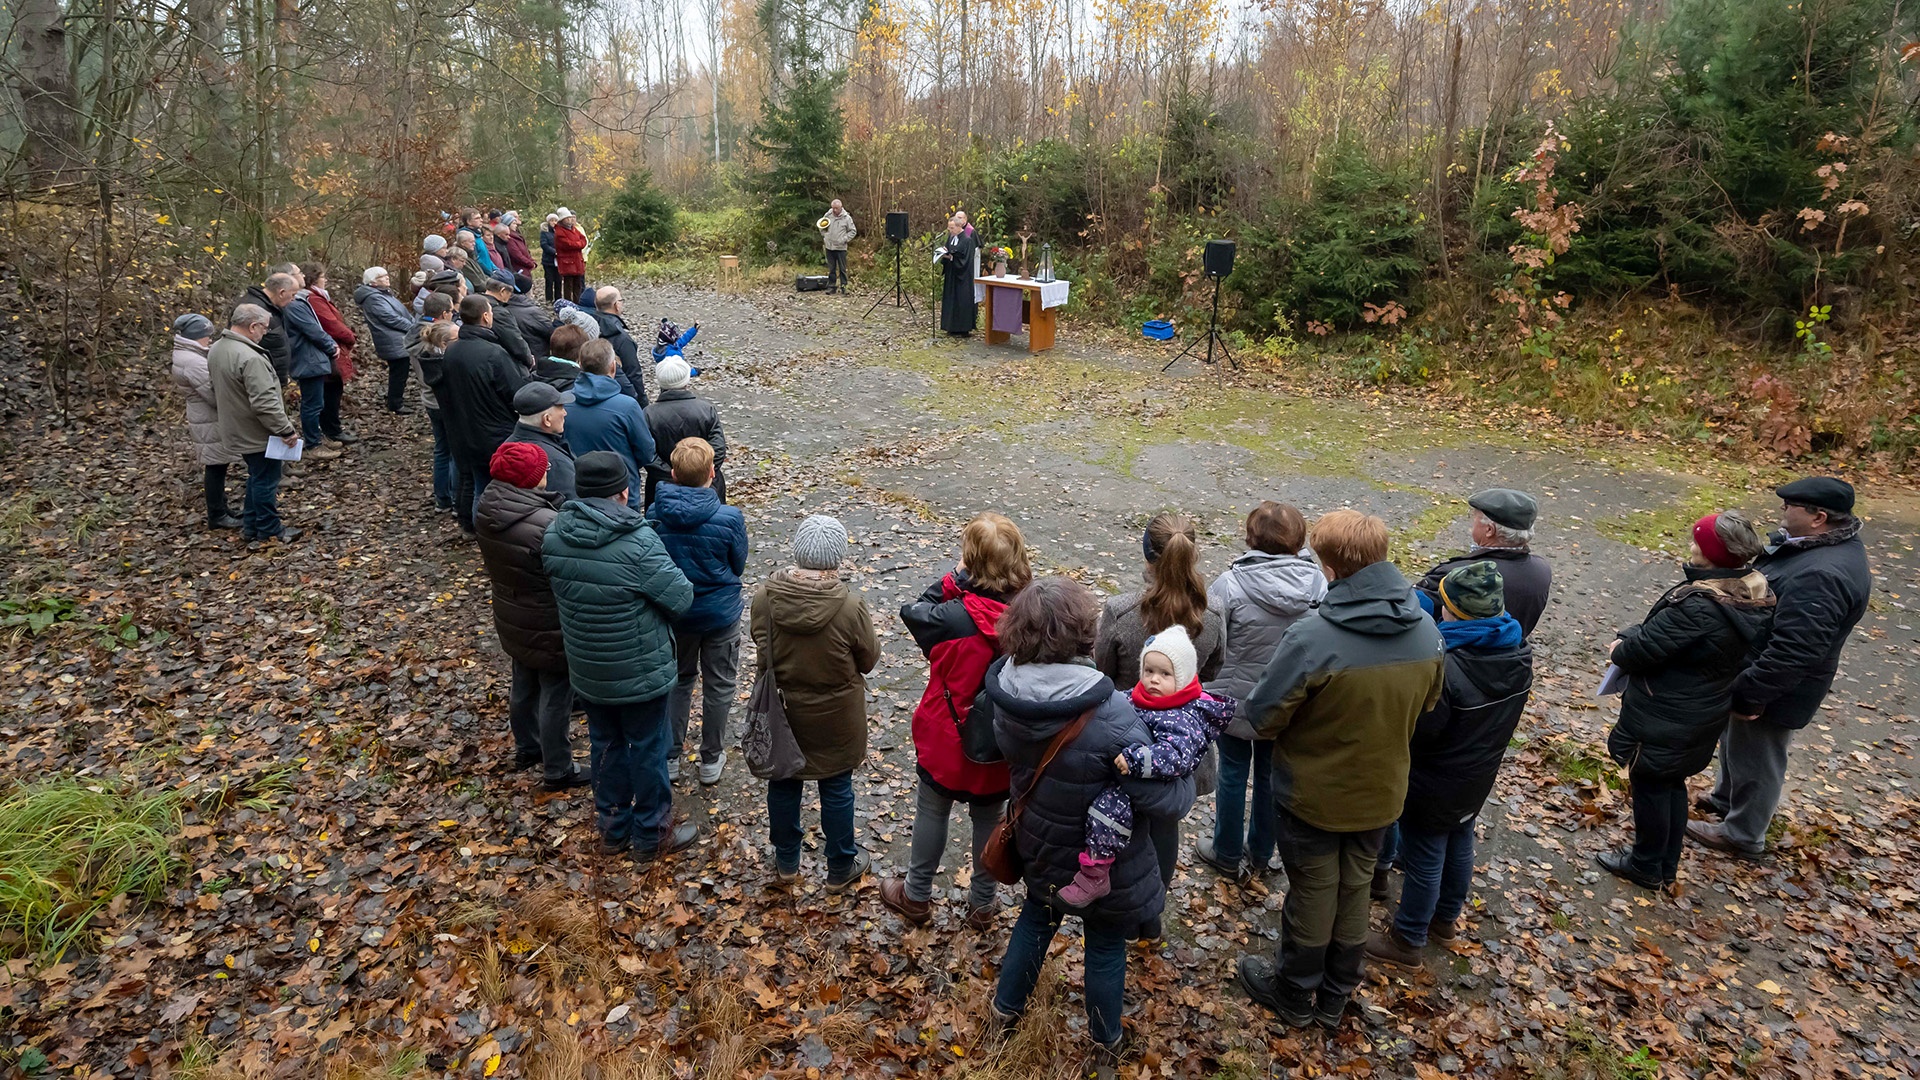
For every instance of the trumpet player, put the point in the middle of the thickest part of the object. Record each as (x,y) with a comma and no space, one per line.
(836,231)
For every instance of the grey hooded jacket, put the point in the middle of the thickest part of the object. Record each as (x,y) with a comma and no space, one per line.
(1259,596)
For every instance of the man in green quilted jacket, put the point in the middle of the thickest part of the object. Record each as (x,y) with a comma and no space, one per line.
(618,592)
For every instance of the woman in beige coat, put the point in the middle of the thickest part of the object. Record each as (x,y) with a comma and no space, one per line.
(192,337)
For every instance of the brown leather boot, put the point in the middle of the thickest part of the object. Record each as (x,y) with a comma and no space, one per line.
(893,894)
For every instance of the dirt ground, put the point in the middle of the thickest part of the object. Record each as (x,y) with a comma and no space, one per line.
(366,883)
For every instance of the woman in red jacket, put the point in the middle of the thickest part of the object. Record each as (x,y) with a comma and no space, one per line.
(954,624)
(342,335)
(570,252)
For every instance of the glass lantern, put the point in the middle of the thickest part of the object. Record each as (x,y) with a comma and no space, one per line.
(1044,273)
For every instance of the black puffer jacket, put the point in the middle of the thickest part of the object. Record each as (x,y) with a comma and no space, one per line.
(534,322)
(1458,745)
(477,383)
(275,344)
(511,523)
(507,330)
(1033,702)
(1680,665)
(678,414)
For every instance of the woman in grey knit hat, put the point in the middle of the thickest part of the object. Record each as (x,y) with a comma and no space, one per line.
(192,339)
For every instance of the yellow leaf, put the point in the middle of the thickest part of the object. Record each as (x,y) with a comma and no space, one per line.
(1768,986)
(313,944)
(406,1011)
(448,823)
(229,960)
(493,1065)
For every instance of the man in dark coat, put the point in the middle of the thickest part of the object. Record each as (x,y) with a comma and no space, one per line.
(506,327)
(534,322)
(607,309)
(677,415)
(618,591)
(1340,698)
(511,520)
(1502,530)
(477,383)
(549,260)
(1817,568)
(543,423)
(279,351)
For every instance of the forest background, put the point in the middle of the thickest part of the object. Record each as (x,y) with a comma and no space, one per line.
(1691,219)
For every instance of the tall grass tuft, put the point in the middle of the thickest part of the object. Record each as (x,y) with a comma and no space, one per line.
(68,849)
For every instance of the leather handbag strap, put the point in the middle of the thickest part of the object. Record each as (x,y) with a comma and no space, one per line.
(1067,735)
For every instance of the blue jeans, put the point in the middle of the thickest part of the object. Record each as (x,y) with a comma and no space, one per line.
(1390,846)
(836,820)
(1438,872)
(630,787)
(445,479)
(260,513)
(1234,834)
(1027,950)
(472,480)
(313,399)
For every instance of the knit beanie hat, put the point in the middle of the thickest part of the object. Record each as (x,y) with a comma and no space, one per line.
(601,474)
(520,464)
(372,274)
(673,373)
(573,316)
(1174,644)
(1707,537)
(432,263)
(434,242)
(193,325)
(1474,591)
(419,278)
(820,543)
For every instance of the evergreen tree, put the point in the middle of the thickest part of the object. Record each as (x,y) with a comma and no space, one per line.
(641,221)
(799,138)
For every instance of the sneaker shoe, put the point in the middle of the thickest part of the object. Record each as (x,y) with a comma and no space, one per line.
(225,521)
(1387,945)
(578,778)
(1255,974)
(1706,807)
(710,770)
(839,883)
(1709,834)
(673,769)
(323,452)
(1233,871)
(893,896)
(1620,865)
(1275,864)
(679,838)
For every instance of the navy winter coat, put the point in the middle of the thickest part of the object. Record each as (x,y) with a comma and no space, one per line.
(388,320)
(313,347)
(1822,584)
(613,328)
(1033,702)
(708,542)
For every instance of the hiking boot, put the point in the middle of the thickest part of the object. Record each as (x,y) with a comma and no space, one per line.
(1104,1060)
(784,880)
(1233,871)
(893,896)
(1709,834)
(679,838)
(710,770)
(1620,865)
(1706,807)
(578,778)
(225,521)
(526,761)
(982,920)
(1327,1011)
(1255,974)
(1382,883)
(1443,930)
(323,452)
(852,875)
(1389,946)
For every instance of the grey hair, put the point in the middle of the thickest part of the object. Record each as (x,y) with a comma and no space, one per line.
(1504,536)
(249,315)
(280,282)
(605,297)
(284,268)
(1742,540)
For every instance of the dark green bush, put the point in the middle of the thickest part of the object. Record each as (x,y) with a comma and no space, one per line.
(640,221)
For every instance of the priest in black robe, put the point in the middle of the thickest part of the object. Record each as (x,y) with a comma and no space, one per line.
(957,309)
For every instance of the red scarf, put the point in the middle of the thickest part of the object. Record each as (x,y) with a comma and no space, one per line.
(1189,693)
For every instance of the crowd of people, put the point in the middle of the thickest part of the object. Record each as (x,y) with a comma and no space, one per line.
(1367,715)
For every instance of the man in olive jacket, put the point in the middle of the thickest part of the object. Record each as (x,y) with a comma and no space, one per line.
(247,396)
(1817,568)
(1340,698)
(618,592)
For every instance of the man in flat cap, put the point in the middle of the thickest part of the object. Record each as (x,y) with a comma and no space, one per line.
(1502,529)
(543,422)
(1817,568)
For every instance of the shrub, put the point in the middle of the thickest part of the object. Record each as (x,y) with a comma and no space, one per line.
(68,849)
(640,221)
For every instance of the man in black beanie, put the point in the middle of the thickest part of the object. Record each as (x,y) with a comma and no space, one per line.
(1817,568)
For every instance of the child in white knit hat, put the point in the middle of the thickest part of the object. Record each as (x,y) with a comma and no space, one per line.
(1181,719)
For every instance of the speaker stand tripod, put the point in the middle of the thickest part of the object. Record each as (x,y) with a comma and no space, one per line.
(900,297)
(1213,337)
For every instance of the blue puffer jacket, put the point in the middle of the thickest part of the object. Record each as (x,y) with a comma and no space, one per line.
(1032,704)
(708,542)
(618,593)
(387,319)
(603,418)
(313,348)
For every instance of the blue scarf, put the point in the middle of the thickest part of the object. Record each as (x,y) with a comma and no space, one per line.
(1500,632)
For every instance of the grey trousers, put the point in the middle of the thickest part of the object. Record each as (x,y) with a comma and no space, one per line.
(713,657)
(930,814)
(1753,771)
(538,709)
